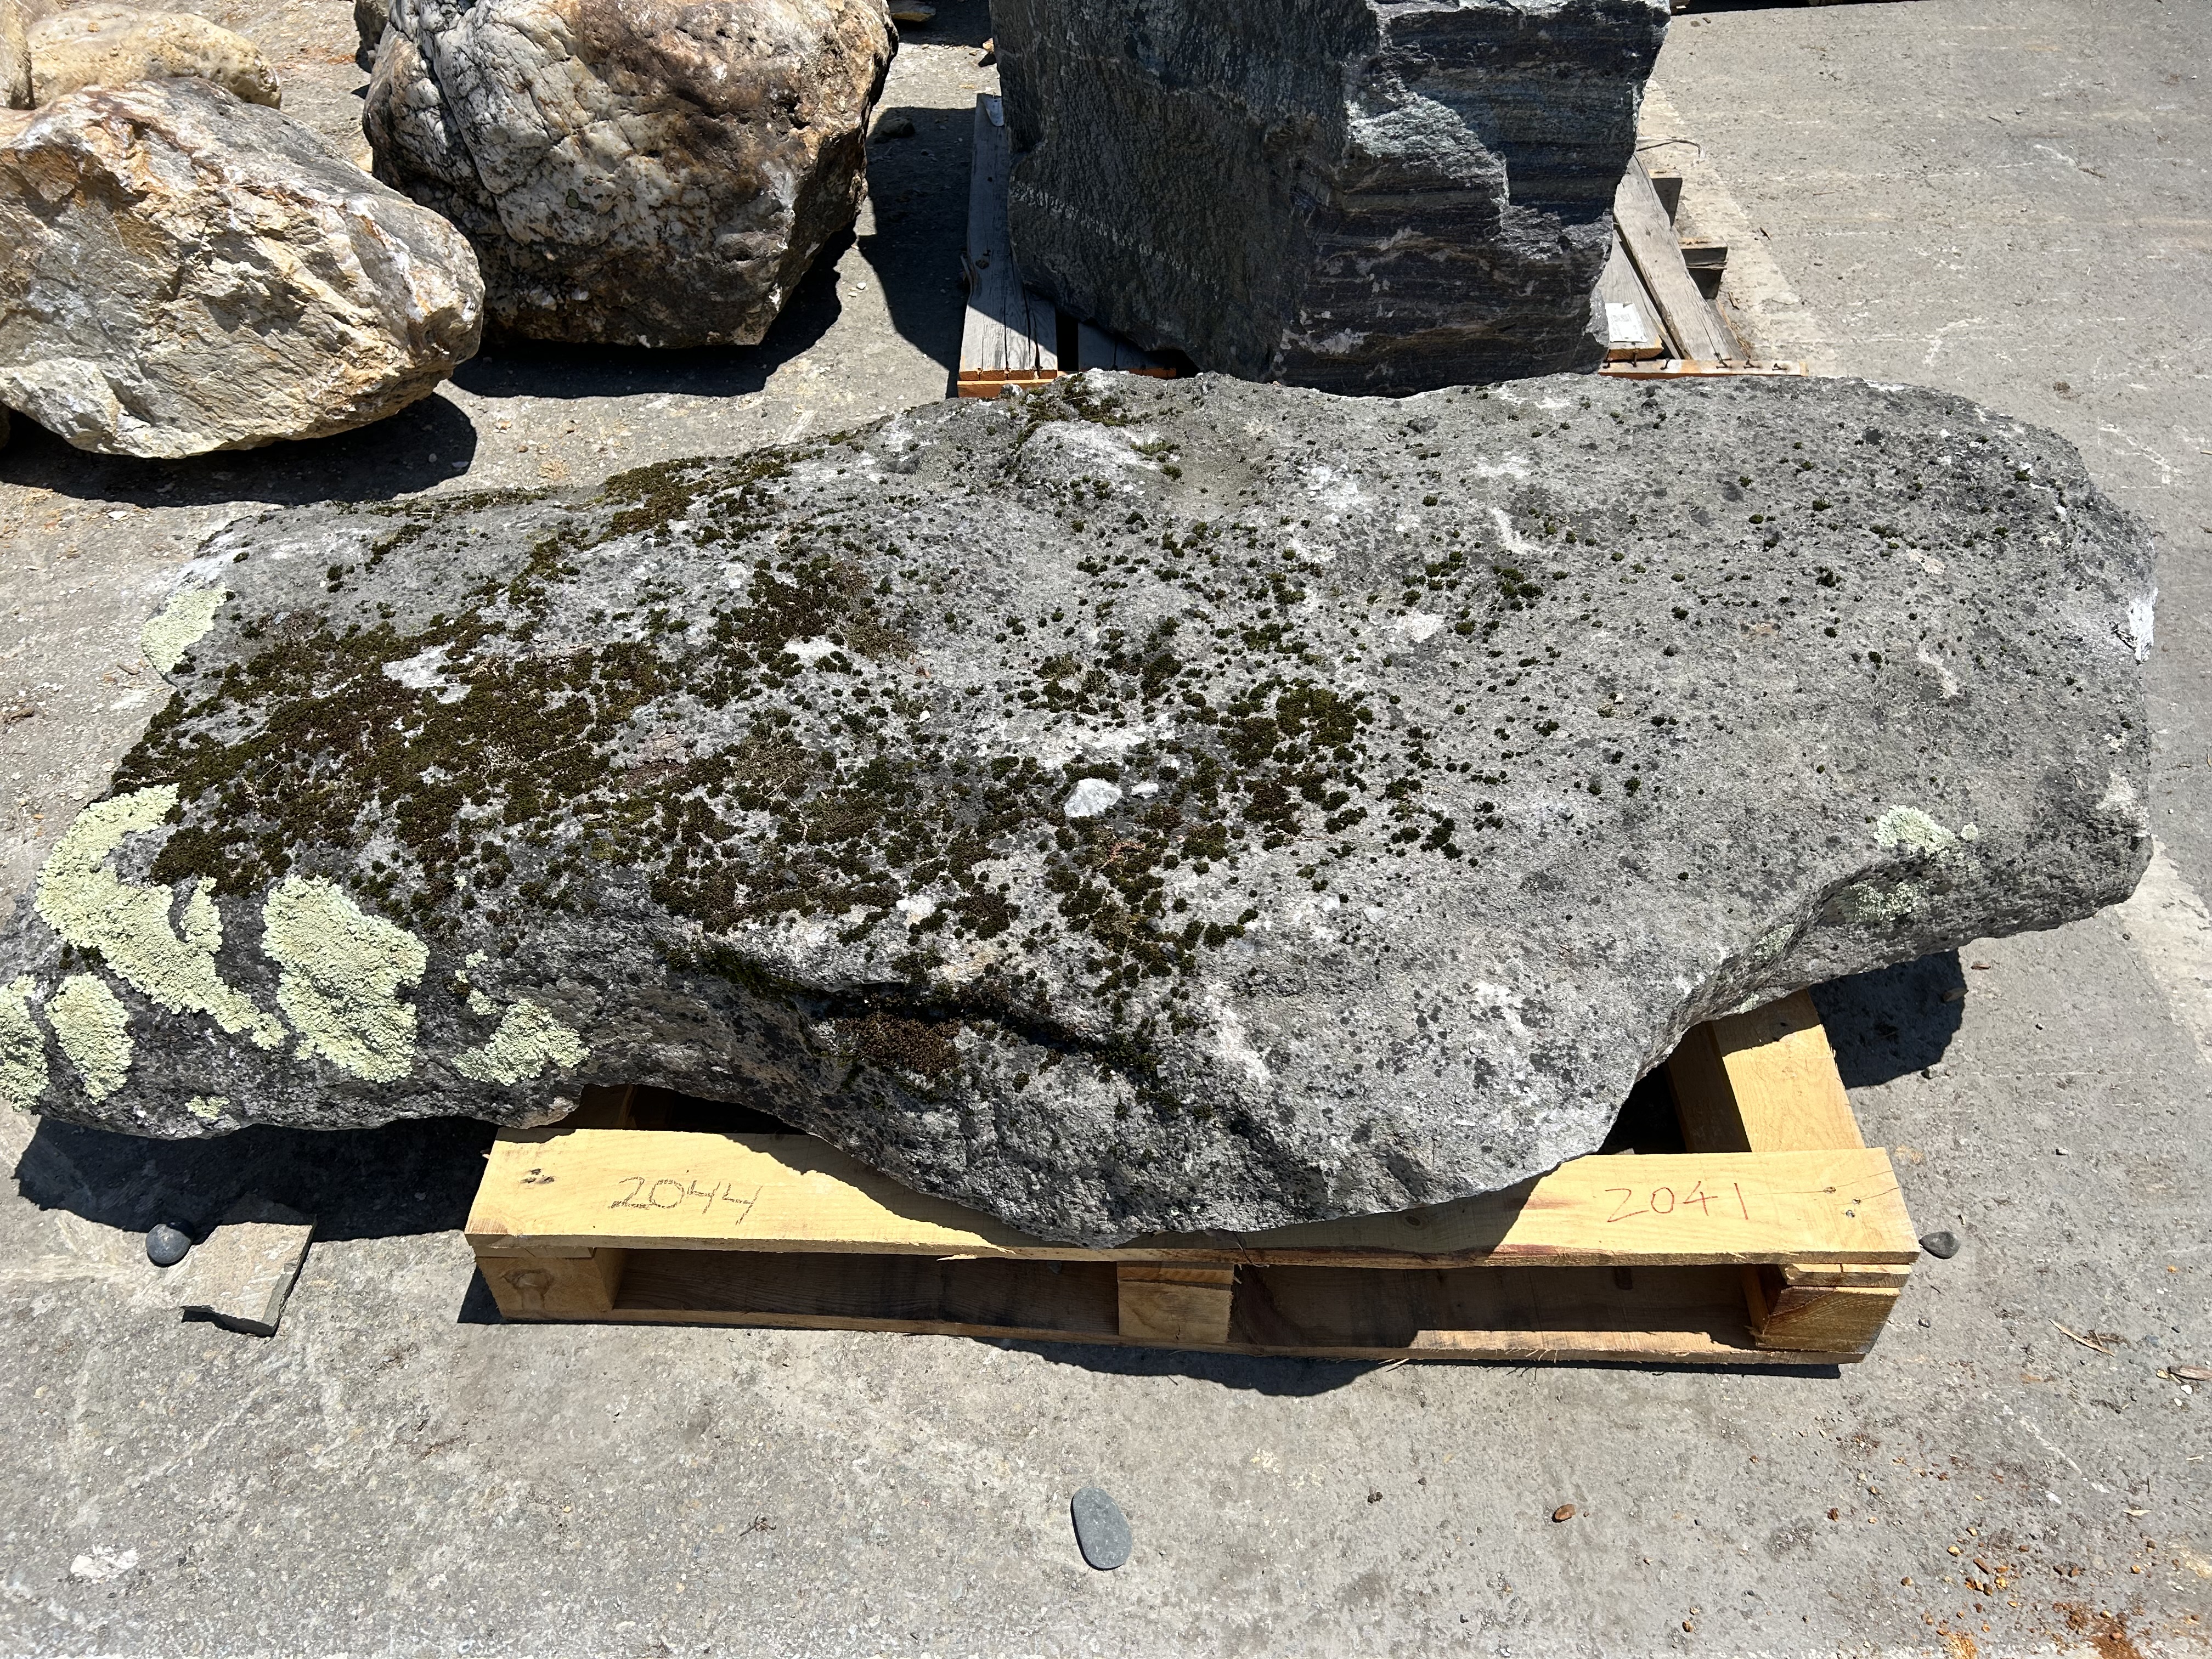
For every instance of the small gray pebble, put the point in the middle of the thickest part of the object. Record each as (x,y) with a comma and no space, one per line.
(1101,1532)
(893,127)
(1942,1246)
(166,1245)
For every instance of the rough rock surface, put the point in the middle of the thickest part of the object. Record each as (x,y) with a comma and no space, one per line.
(105,45)
(1359,195)
(1143,804)
(633,172)
(15,56)
(182,272)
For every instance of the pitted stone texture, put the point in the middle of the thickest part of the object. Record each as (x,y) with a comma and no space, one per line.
(106,44)
(633,172)
(1358,195)
(181,272)
(1468,750)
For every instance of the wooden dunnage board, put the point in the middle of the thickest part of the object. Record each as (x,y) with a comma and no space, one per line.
(1777,1237)
(1011,336)
(1646,233)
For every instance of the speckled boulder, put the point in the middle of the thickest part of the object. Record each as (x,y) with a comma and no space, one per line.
(632,172)
(1145,805)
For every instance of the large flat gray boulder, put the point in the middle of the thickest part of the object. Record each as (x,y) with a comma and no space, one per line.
(1348,194)
(182,272)
(1145,805)
(649,173)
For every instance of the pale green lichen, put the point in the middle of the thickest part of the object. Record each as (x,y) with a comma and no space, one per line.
(1913,830)
(23,1071)
(200,922)
(1874,903)
(207,1108)
(343,968)
(183,622)
(529,1039)
(93,1029)
(82,899)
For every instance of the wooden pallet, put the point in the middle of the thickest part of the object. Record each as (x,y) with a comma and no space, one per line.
(1013,336)
(1777,1237)
(1661,324)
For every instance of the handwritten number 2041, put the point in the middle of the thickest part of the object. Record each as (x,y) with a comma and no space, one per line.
(1664,1201)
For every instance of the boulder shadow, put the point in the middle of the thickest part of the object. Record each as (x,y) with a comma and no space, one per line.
(918,186)
(424,444)
(416,1177)
(1893,1020)
(556,370)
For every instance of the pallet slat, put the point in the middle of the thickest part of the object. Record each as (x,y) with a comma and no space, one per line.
(1694,330)
(1632,320)
(642,1189)
(1011,336)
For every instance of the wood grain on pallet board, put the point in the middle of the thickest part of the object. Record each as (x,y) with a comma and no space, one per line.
(1632,320)
(1011,336)
(1694,330)
(638,1188)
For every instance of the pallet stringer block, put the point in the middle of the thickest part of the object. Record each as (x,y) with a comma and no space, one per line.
(1765,1082)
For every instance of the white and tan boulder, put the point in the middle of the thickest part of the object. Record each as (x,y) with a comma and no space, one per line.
(181,272)
(633,172)
(106,44)
(15,58)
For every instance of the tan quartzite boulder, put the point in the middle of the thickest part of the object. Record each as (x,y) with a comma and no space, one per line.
(15,58)
(105,45)
(633,172)
(182,272)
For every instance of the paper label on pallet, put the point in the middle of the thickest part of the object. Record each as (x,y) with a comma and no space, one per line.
(1624,324)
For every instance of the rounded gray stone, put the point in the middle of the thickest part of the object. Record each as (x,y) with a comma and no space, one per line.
(1940,1245)
(166,1246)
(1102,1531)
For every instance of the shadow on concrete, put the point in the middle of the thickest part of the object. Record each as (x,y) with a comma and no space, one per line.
(918,187)
(536,368)
(1289,1378)
(1894,1020)
(403,1178)
(424,444)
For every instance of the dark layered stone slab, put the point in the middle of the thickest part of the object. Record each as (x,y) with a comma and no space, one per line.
(1359,197)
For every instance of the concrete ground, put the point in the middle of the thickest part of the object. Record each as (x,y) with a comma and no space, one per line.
(2005,197)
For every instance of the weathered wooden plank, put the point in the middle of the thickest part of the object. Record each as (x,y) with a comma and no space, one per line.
(1631,321)
(1694,330)
(1011,334)
(1675,369)
(1164,1302)
(641,1189)
(555,1287)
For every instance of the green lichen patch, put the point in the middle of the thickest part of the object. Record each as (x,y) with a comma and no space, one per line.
(126,924)
(94,1029)
(343,969)
(528,1042)
(181,624)
(24,1073)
